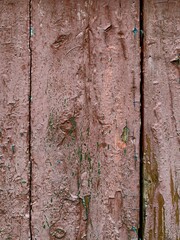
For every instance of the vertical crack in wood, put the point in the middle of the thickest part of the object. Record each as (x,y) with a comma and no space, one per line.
(30,91)
(141,145)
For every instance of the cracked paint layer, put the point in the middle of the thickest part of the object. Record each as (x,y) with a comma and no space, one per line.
(161,120)
(14,101)
(85,120)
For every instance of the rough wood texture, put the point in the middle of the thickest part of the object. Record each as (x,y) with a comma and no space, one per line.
(162,119)
(85,120)
(14,111)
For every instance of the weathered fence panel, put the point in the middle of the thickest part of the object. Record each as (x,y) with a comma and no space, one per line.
(161,119)
(85,119)
(70,75)
(14,120)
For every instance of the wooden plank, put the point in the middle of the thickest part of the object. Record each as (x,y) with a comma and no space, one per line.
(85,119)
(14,111)
(162,119)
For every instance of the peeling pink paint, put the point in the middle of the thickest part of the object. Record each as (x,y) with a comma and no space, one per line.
(162,120)
(84,112)
(14,111)
(85,81)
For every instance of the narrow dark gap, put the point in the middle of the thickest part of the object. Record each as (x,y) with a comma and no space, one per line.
(141,212)
(30,92)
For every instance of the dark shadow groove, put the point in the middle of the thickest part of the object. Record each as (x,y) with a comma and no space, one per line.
(141,146)
(30,92)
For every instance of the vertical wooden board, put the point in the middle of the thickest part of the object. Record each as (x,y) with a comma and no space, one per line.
(114,110)
(161,119)
(85,119)
(14,111)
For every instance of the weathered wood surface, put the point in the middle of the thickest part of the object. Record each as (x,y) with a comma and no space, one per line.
(85,119)
(162,119)
(14,112)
